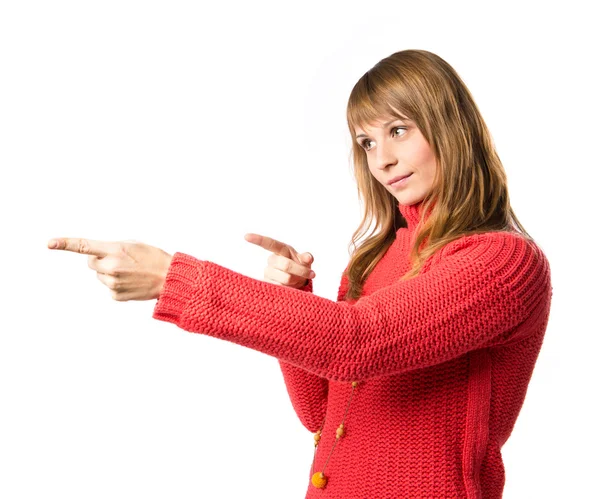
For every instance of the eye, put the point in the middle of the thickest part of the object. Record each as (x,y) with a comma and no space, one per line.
(364,143)
(398,128)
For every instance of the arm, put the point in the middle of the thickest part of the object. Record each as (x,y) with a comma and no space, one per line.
(473,294)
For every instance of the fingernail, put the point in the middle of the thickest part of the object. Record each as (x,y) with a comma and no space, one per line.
(312,274)
(53,243)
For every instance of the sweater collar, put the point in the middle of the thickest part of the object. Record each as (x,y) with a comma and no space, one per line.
(411,213)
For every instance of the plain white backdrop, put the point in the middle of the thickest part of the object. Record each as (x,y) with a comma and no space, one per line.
(185,125)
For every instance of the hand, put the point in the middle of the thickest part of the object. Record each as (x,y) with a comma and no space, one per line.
(132,270)
(285,266)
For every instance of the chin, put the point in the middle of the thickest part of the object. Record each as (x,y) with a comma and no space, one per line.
(408,199)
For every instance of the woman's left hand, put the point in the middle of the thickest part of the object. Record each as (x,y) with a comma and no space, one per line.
(132,270)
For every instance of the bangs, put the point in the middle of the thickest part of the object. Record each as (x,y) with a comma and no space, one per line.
(369,102)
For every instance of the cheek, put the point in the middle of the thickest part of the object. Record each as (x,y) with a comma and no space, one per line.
(422,155)
(374,172)
(425,161)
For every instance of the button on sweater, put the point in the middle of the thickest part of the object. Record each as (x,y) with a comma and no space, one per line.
(443,360)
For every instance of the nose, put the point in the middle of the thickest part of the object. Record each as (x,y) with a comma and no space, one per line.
(384,156)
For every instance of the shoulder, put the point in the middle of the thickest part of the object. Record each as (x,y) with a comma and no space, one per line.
(497,243)
(507,256)
(508,262)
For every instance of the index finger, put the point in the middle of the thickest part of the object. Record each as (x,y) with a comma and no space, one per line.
(83,246)
(267,243)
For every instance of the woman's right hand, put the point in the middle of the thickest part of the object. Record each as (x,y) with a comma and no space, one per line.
(285,266)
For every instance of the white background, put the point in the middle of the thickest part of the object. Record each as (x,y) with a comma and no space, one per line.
(185,125)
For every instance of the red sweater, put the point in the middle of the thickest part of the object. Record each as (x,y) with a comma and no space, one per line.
(442,361)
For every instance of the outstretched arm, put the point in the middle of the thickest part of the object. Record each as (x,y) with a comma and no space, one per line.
(474,294)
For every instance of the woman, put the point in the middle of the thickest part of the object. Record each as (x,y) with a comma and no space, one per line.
(413,379)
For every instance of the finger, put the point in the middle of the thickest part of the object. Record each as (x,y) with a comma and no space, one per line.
(84,246)
(277,276)
(108,265)
(109,281)
(307,258)
(286,265)
(96,263)
(268,243)
(93,262)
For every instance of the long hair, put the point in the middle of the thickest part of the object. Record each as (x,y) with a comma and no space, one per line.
(469,193)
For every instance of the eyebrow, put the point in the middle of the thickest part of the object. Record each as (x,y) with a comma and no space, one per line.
(385,124)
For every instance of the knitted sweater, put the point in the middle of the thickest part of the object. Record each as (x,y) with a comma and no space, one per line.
(442,361)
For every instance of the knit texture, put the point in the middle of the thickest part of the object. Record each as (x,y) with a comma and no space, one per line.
(443,360)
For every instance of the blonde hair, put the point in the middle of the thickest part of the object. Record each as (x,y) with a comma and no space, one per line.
(469,193)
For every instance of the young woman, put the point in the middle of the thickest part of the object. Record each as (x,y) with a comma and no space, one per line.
(413,378)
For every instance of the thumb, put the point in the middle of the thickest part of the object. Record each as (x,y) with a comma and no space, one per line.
(307,257)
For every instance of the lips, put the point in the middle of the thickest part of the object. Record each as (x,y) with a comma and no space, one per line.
(400,177)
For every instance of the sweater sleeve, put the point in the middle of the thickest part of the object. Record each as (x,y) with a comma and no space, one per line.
(473,293)
(307,391)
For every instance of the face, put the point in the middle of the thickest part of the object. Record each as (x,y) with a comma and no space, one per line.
(396,147)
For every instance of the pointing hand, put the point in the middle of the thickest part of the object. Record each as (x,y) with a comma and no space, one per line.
(132,270)
(285,265)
